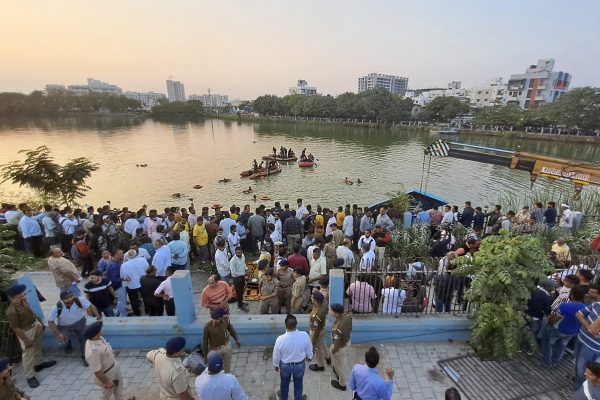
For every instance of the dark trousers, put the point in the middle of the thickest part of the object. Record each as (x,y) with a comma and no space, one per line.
(88,265)
(134,300)
(33,245)
(154,307)
(65,244)
(170,307)
(238,285)
(75,333)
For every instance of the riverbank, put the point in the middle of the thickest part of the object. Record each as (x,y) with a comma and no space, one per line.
(411,125)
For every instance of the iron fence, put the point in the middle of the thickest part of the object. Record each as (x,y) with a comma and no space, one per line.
(420,287)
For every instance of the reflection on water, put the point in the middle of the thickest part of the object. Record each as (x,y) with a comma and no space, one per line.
(182,154)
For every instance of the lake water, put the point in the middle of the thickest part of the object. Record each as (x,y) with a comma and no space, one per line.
(181,155)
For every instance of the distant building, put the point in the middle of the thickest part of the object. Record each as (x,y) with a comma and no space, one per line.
(211,100)
(175,91)
(96,86)
(53,88)
(422,97)
(394,84)
(540,84)
(148,99)
(489,94)
(303,89)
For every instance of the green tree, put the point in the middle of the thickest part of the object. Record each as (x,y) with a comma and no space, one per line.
(39,172)
(578,108)
(192,108)
(507,115)
(443,109)
(506,269)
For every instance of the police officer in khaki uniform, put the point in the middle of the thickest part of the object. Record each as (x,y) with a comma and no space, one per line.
(317,323)
(216,337)
(269,293)
(286,279)
(174,379)
(29,330)
(8,390)
(298,291)
(340,337)
(101,359)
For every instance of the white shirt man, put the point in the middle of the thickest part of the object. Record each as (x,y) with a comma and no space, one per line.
(68,316)
(318,267)
(192,219)
(233,241)
(133,269)
(366,239)
(566,220)
(237,265)
(348,226)
(140,252)
(278,226)
(292,347)
(226,224)
(165,289)
(130,226)
(301,212)
(330,221)
(276,236)
(448,216)
(345,253)
(270,218)
(367,260)
(222,261)
(384,221)
(161,259)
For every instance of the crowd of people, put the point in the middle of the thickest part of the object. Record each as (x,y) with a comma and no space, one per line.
(129,257)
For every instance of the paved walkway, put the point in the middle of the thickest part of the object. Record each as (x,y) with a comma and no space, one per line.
(415,365)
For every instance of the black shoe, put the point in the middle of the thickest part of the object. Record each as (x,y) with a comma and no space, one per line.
(328,361)
(337,385)
(44,365)
(33,382)
(243,309)
(85,364)
(316,368)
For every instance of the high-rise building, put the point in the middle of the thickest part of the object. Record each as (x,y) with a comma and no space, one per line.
(303,89)
(175,91)
(394,84)
(540,84)
(211,100)
(148,99)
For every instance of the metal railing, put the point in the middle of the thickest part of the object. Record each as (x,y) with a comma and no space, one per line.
(420,287)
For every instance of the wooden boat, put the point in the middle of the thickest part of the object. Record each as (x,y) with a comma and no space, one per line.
(278,158)
(306,164)
(265,197)
(197,186)
(247,172)
(265,173)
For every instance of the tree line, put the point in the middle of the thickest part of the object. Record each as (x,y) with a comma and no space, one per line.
(378,104)
(578,108)
(63,101)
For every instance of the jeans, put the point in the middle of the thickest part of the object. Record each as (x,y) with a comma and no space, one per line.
(286,372)
(583,356)
(554,344)
(121,301)
(535,325)
(75,333)
(107,311)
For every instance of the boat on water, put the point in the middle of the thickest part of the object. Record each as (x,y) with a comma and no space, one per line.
(445,132)
(306,164)
(419,199)
(247,172)
(266,172)
(270,157)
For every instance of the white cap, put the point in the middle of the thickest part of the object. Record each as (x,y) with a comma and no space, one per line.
(565,205)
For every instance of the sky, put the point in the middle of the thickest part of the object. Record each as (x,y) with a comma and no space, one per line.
(247,48)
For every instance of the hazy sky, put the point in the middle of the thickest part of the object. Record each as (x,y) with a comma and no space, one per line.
(246,48)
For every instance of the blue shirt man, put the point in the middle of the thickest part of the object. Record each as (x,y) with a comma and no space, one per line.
(179,252)
(366,382)
(550,215)
(423,217)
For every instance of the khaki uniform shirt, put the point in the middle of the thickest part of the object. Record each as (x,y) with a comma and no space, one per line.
(341,331)
(299,286)
(99,355)
(286,279)
(8,390)
(317,319)
(269,288)
(63,270)
(215,336)
(20,316)
(172,376)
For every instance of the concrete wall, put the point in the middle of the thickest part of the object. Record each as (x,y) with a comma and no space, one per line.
(153,332)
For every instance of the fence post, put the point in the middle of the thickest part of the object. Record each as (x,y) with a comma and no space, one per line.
(185,311)
(336,286)
(32,297)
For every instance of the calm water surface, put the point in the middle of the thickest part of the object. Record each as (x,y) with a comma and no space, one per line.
(180,155)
